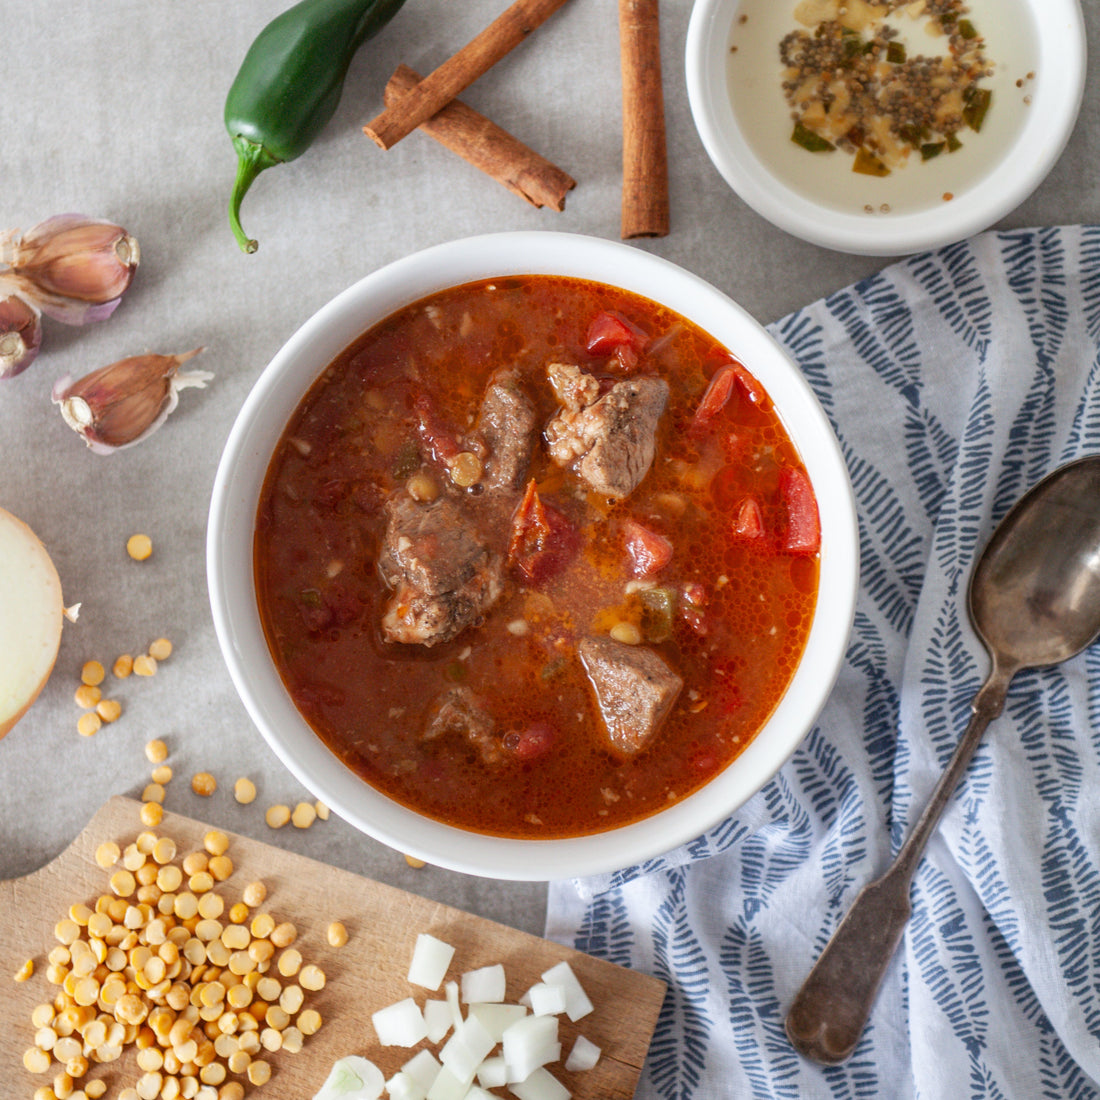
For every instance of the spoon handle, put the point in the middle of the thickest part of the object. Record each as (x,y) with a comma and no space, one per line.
(829,1012)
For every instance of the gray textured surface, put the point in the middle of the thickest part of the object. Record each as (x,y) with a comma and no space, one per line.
(114,109)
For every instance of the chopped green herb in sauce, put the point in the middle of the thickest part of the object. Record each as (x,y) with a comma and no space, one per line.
(810,141)
(852,85)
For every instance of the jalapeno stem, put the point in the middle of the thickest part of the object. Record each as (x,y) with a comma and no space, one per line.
(252,159)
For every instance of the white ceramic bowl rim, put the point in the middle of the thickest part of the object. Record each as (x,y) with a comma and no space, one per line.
(244,463)
(1056,100)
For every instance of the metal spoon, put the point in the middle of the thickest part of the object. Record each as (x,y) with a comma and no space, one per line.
(1034,600)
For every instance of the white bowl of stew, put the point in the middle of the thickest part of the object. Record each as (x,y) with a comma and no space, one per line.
(532,555)
(819,116)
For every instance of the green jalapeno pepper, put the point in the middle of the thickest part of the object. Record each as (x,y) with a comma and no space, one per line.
(289,85)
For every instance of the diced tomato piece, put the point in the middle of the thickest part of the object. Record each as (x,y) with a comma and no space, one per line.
(649,550)
(692,607)
(704,760)
(626,357)
(749,522)
(694,593)
(437,438)
(610,330)
(802,534)
(543,540)
(334,607)
(531,742)
(696,619)
(717,394)
(729,376)
(750,387)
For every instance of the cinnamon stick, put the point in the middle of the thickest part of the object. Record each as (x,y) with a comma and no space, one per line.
(645,158)
(457,73)
(488,147)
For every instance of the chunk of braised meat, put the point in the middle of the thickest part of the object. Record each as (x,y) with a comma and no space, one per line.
(506,432)
(459,712)
(634,689)
(610,440)
(444,575)
(573,387)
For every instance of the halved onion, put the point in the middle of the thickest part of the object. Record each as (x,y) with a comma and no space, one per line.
(31,613)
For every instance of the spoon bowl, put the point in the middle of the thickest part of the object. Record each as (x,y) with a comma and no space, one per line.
(1035,593)
(1034,600)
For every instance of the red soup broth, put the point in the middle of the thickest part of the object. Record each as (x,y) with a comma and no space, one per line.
(711,562)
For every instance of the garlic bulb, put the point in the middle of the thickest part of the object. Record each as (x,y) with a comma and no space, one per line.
(20,333)
(123,403)
(73,268)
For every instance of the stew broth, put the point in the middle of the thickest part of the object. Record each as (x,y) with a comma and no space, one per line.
(507,719)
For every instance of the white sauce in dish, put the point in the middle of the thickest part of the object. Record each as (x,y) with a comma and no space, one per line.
(754,75)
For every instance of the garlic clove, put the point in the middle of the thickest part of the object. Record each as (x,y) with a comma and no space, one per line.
(125,402)
(75,269)
(20,334)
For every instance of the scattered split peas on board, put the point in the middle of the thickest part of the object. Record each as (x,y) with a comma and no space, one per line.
(161,961)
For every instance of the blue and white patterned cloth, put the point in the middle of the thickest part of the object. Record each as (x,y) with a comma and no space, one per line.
(954,381)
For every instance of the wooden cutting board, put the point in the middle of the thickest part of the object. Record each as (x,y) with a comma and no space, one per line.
(366,974)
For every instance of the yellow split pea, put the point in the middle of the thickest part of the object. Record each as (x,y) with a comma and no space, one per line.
(204,784)
(116,963)
(139,547)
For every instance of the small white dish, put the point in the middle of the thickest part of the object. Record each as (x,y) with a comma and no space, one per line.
(745,125)
(244,463)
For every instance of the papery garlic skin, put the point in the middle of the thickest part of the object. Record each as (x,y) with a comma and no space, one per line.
(123,403)
(73,268)
(20,334)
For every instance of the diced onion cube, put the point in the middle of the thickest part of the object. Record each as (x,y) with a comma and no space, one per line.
(530,1043)
(541,1085)
(476,1093)
(584,1055)
(546,999)
(430,960)
(492,1073)
(466,1050)
(447,1087)
(423,1068)
(400,1025)
(496,1018)
(577,1003)
(438,1019)
(402,1087)
(451,991)
(352,1078)
(485,985)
